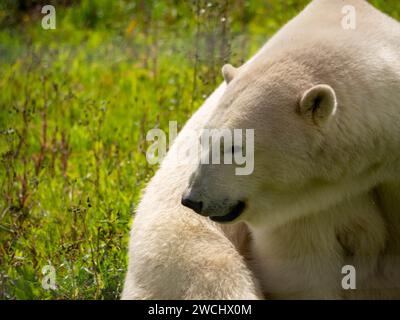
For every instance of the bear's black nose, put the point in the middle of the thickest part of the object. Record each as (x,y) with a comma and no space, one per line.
(192,204)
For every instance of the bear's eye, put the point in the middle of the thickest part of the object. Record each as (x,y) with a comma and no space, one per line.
(236,149)
(233,150)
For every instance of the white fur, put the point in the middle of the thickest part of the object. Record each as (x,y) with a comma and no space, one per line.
(321,196)
(177,254)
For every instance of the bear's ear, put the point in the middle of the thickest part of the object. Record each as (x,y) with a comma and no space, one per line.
(229,72)
(319,102)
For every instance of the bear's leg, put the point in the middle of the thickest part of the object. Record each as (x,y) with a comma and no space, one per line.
(185,256)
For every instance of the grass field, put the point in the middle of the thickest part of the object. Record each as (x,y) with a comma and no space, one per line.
(75,106)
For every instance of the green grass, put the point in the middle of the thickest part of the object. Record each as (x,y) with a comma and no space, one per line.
(75,106)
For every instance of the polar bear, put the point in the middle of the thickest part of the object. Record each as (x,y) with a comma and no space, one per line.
(324,102)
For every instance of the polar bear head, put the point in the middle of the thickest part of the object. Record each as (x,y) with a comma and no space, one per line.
(311,149)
